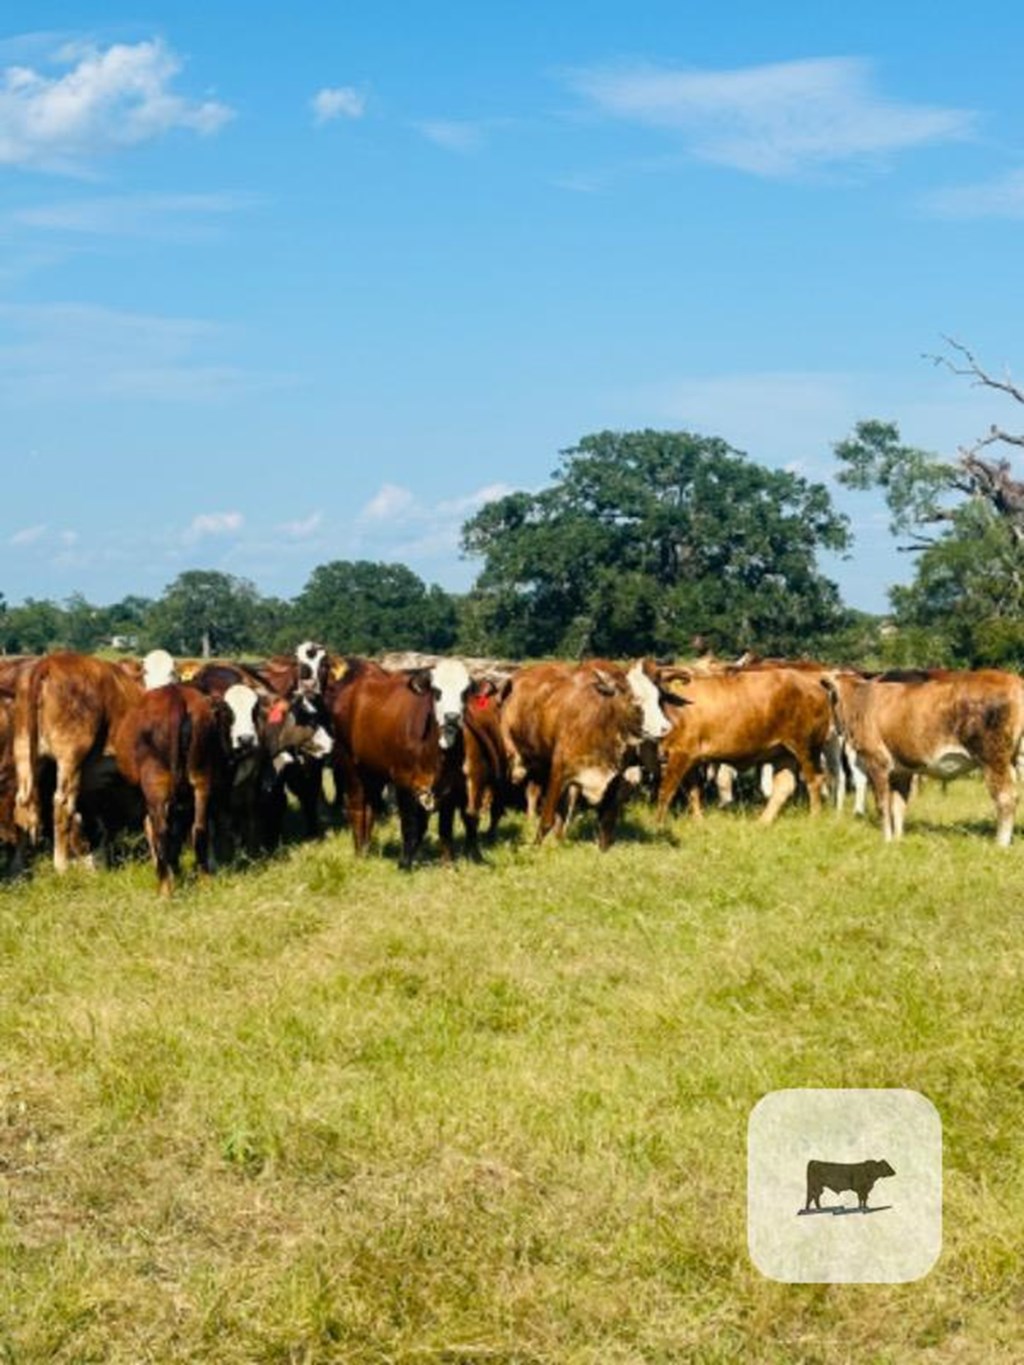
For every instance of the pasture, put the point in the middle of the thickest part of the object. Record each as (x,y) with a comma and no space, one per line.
(320,1111)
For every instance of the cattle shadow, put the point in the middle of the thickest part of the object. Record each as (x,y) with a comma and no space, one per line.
(954,829)
(839,1209)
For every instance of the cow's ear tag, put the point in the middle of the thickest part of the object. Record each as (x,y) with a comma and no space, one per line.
(481,701)
(278,711)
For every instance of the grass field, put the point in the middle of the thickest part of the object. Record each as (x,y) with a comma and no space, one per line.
(322,1111)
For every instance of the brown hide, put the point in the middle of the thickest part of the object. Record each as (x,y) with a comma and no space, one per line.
(485,766)
(941,722)
(385,731)
(167,744)
(67,708)
(750,715)
(569,729)
(8,777)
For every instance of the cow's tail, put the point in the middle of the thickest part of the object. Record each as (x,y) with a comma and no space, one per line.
(27,815)
(181,742)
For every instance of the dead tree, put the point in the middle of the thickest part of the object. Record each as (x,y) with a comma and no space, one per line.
(988,479)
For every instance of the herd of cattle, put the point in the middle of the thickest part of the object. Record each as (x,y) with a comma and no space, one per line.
(207,752)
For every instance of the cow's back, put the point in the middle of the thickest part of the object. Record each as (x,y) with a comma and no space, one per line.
(749,715)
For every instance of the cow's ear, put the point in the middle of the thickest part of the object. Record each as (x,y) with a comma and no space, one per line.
(483,687)
(420,679)
(675,674)
(673,698)
(830,688)
(604,682)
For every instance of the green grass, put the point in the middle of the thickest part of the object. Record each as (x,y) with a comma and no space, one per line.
(319,1110)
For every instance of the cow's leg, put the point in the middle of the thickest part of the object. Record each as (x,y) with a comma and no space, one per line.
(567,810)
(200,837)
(608,812)
(677,768)
(1003,790)
(359,809)
(471,825)
(305,780)
(725,784)
(446,829)
(413,822)
(814,777)
(65,811)
(899,795)
(783,787)
(552,797)
(767,780)
(534,792)
(878,776)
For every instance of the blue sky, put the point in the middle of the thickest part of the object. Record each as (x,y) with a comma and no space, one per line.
(280,285)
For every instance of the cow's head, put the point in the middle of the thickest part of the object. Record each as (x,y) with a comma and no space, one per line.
(646,682)
(309,716)
(158,669)
(243,706)
(449,684)
(882,1168)
(313,666)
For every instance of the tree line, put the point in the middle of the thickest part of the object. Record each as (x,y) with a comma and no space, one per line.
(657,542)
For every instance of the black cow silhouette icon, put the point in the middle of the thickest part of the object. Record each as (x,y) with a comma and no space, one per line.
(839,1176)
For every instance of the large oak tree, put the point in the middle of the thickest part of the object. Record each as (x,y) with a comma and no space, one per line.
(656,541)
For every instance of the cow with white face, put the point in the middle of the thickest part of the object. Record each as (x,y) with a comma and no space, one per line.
(450,685)
(158,670)
(649,692)
(243,704)
(313,666)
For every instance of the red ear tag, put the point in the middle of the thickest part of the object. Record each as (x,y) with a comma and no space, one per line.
(481,701)
(278,711)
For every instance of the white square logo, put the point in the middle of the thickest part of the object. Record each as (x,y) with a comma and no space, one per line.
(844,1186)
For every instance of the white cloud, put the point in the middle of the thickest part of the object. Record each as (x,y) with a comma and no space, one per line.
(342,101)
(455,135)
(123,215)
(65,351)
(1002,197)
(213,524)
(390,503)
(96,101)
(302,528)
(28,535)
(772,120)
(395,524)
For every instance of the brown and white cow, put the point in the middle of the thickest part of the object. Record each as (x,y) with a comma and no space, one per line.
(68,708)
(576,730)
(939,722)
(749,716)
(404,729)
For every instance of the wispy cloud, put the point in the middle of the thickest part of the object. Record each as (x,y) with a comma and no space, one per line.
(303,527)
(28,535)
(91,101)
(133,215)
(396,524)
(454,135)
(773,120)
(1002,197)
(65,351)
(334,102)
(213,524)
(388,504)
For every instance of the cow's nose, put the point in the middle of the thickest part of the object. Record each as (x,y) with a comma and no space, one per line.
(245,743)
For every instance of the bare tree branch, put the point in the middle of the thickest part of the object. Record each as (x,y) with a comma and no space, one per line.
(981,378)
